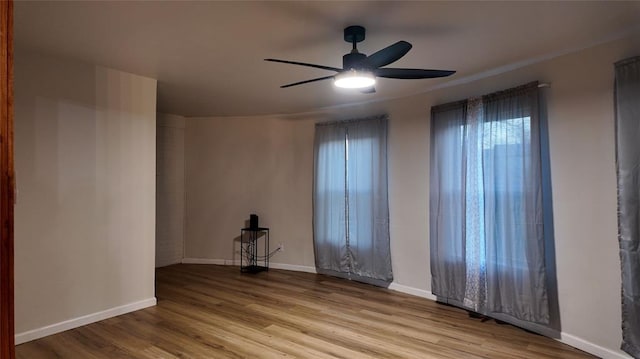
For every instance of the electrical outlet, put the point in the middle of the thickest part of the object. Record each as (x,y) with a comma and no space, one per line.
(281,247)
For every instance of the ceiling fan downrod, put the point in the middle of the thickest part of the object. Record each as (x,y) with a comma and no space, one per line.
(353,34)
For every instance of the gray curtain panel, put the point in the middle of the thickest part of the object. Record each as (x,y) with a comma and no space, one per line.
(516,270)
(447,201)
(351,211)
(329,198)
(486,220)
(627,107)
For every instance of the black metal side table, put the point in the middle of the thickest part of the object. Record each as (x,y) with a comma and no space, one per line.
(250,261)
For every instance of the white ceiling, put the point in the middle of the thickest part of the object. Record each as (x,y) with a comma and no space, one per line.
(208,56)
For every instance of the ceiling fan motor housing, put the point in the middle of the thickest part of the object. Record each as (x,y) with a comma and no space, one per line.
(353,60)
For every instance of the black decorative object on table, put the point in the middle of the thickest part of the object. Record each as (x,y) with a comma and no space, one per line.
(250,261)
(253,221)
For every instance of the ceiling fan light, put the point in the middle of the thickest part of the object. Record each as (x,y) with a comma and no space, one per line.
(354,79)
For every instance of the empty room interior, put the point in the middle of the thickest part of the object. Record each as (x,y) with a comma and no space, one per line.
(326,179)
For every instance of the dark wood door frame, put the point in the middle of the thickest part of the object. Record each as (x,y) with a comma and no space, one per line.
(7,181)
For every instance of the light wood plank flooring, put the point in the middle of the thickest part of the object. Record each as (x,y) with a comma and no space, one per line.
(207,311)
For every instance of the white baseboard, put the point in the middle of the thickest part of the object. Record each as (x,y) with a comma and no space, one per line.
(220,262)
(230,262)
(169,263)
(592,348)
(293,267)
(413,291)
(83,320)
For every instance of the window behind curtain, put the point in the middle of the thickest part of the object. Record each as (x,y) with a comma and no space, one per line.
(351,216)
(486,221)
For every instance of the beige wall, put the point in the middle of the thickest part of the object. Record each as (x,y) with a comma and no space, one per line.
(236,166)
(170,193)
(85,213)
(239,166)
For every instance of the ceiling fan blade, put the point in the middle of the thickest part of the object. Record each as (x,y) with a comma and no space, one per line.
(306,64)
(392,73)
(371,89)
(307,81)
(389,54)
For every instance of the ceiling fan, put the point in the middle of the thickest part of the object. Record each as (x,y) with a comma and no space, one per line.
(359,71)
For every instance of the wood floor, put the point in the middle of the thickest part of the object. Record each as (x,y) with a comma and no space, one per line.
(207,311)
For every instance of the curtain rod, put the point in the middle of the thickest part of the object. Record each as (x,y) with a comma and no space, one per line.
(544,84)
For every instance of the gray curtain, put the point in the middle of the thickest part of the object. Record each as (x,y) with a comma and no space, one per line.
(627,107)
(351,211)
(329,194)
(446,201)
(516,270)
(487,233)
